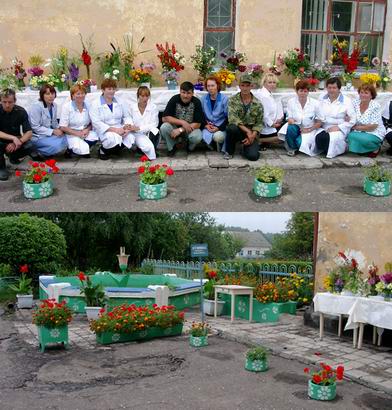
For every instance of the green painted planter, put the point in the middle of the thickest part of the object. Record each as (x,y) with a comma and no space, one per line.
(265,190)
(256,365)
(319,392)
(38,191)
(147,191)
(48,336)
(289,307)
(377,188)
(106,338)
(198,341)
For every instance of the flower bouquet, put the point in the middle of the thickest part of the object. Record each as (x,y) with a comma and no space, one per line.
(256,359)
(59,65)
(35,62)
(372,279)
(52,320)
(86,54)
(384,286)
(297,62)
(110,63)
(199,334)
(226,77)
(171,60)
(142,74)
(37,182)
(88,84)
(204,61)
(255,71)
(370,78)
(232,62)
(209,295)
(19,71)
(153,183)
(322,384)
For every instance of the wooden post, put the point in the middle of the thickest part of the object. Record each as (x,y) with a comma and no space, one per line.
(321,325)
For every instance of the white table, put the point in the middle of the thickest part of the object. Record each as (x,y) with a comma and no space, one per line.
(234,290)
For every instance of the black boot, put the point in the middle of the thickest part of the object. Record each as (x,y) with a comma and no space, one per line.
(3,170)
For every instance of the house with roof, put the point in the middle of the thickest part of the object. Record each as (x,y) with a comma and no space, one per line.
(254,244)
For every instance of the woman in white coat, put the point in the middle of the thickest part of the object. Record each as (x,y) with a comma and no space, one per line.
(110,118)
(273,110)
(299,133)
(144,117)
(48,139)
(75,122)
(338,117)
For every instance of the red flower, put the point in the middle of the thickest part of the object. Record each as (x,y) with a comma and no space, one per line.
(43,173)
(141,170)
(318,354)
(241,68)
(316,378)
(55,169)
(306,370)
(102,310)
(42,165)
(354,263)
(37,178)
(144,158)
(169,171)
(50,162)
(86,58)
(23,268)
(82,276)
(212,274)
(339,372)
(152,169)
(18,173)
(342,255)
(35,165)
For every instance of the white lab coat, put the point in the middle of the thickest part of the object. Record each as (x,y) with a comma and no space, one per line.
(273,110)
(334,114)
(147,122)
(102,118)
(71,117)
(304,118)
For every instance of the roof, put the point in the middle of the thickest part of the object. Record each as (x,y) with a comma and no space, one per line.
(251,239)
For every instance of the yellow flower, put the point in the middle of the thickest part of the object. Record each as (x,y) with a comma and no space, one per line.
(305,300)
(365,59)
(228,82)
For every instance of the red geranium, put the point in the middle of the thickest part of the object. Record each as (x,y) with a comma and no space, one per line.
(141,170)
(39,172)
(144,158)
(37,178)
(153,174)
(169,171)
(18,173)
(23,268)
(327,375)
(82,276)
(212,274)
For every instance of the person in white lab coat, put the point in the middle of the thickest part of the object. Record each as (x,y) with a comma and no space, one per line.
(110,119)
(144,116)
(273,110)
(75,122)
(338,117)
(387,119)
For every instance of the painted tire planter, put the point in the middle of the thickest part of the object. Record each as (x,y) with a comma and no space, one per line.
(377,188)
(320,392)
(48,336)
(209,306)
(256,365)
(38,191)
(198,341)
(106,338)
(147,191)
(270,190)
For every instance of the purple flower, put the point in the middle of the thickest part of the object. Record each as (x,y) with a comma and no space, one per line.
(372,281)
(35,71)
(386,278)
(224,55)
(339,282)
(74,72)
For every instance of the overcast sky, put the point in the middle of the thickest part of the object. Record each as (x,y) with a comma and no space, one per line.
(265,221)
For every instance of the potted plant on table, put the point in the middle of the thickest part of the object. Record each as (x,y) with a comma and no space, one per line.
(322,385)
(377,181)
(204,61)
(142,75)
(256,359)
(94,296)
(153,183)
(172,62)
(24,292)
(268,181)
(199,334)
(209,296)
(384,286)
(52,320)
(37,182)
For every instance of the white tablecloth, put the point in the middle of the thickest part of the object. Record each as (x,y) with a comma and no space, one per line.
(333,304)
(160,96)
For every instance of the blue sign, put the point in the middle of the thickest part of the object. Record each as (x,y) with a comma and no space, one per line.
(199,250)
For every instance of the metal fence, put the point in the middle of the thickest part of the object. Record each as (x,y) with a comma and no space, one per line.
(267,271)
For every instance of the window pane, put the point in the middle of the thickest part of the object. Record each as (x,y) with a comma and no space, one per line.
(365,17)
(221,41)
(378,17)
(219,13)
(372,47)
(314,14)
(333,50)
(316,46)
(343,16)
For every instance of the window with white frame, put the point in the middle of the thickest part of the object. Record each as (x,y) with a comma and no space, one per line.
(249,253)
(352,20)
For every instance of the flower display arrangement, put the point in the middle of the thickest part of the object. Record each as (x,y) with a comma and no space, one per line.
(225,76)
(268,181)
(256,359)
(86,54)
(142,74)
(94,295)
(204,61)
(87,84)
(370,78)
(342,56)
(131,322)
(384,286)
(322,71)
(322,383)
(36,82)
(24,290)
(232,62)
(377,181)
(19,71)
(35,62)
(198,334)
(277,66)
(372,279)
(153,183)
(297,62)
(60,64)
(255,71)
(267,293)
(171,60)
(385,74)
(37,182)
(209,294)
(110,63)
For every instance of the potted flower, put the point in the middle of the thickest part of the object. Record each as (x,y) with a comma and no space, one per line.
(209,296)
(321,72)
(199,334)
(297,62)
(142,75)
(372,280)
(94,296)
(256,359)
(172,62)
(384,286)
(52,320)
(226,77)
(377,181)
(24,292)
(232,62)
(255,71)
(37,182)
(204,61)
(322,384)
(153,183)
(89,84)
(268,181)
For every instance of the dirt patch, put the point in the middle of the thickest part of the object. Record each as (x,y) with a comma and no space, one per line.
(92,183)
(373,401)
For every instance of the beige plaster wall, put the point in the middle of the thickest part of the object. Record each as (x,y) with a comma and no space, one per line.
(367,233)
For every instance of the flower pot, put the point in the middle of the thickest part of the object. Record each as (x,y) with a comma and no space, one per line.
(320,392)
(377,188)
(171,84)
(267,190)
(157,191)
(209,306)
(256,365)
(347,293)
(145,85)
(47,336)
(92,312)
(25,301)
(198,341)
(38,191)
(289,307)
(93,88)
(321,85)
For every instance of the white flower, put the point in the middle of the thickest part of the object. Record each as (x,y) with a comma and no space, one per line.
(378,189)
(114,77)
(177,56)
(262,190)
(55,333)
(28,191)
(107,75)
(351,254)
(115,72)
(45,189)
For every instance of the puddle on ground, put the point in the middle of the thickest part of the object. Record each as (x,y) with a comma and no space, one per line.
(373,401)
(92,183)
(186,200)
(291,378)
(217,356)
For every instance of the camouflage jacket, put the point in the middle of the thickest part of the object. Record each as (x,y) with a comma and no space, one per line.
(252,118)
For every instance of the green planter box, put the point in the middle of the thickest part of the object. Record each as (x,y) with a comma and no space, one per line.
(49,336)
(38,191)
(319,392)
(377,188)
(184,301)
(289,307)
(198,341)
(256,365)
(106,338)
(147,191)
(265,190)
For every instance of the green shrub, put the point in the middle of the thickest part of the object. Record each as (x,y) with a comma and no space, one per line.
(147,269)
(34,241)
(269,174)
(5,270)
(376,173)
(257,353)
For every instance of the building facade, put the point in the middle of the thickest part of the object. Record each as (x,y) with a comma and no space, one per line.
(254,244)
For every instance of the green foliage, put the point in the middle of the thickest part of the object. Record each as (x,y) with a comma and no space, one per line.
(209,291)
(269,174)
(199,329)
(52,314)
(204,61)
(23,286)
(93,294)
(376,173)
(5,270)
(147,269)
(31,240)
(257,353)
